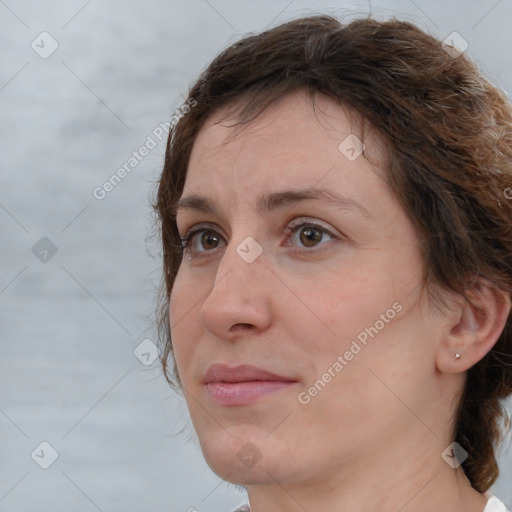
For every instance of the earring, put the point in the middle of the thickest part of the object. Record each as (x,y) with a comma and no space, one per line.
(457,356)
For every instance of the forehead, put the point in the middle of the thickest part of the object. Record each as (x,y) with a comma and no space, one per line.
(296,115)
(297,139)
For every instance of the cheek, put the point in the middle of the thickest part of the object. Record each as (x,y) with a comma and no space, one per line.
(350,303)
(379,361)
(184,296)
(341,335)
(183,323)
(361,316)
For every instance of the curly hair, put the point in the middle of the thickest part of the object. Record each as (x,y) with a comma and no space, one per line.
(448,133)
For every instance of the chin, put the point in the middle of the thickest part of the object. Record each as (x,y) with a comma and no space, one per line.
(240,460)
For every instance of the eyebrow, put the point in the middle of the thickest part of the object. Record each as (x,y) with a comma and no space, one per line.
(276,200)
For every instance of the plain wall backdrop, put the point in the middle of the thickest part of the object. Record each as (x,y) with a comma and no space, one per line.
(83,85)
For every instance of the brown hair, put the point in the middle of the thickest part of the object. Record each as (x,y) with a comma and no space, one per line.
(448,133)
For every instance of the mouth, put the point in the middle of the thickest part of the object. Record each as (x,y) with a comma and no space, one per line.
(243,384)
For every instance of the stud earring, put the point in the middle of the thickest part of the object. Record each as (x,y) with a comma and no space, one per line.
(457,356)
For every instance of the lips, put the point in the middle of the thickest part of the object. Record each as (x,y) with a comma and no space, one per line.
(242,373)
(242,385)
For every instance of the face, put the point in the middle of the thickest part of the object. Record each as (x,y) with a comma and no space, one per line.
(300,262)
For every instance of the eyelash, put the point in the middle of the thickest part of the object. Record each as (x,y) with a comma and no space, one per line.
(187,240)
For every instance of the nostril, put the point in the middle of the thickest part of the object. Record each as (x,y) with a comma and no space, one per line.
(241,327)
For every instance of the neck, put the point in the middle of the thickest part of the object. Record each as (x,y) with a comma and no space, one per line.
(414,481)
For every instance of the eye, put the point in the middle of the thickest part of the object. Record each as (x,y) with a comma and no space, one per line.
(308,234)
(203,240)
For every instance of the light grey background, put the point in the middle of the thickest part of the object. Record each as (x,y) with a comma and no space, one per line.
(70,324)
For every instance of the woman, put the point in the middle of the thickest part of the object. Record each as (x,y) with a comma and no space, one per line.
(337,245)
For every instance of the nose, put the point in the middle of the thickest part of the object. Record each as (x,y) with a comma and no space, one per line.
(239,301)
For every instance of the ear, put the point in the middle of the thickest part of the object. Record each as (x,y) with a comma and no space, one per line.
(474,328)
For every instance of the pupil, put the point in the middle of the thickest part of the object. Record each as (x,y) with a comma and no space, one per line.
(208,238)
(311,236)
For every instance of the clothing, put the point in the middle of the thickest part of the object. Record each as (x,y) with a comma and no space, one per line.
(493,505)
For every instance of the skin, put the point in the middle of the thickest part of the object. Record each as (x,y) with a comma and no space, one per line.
(372,438)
